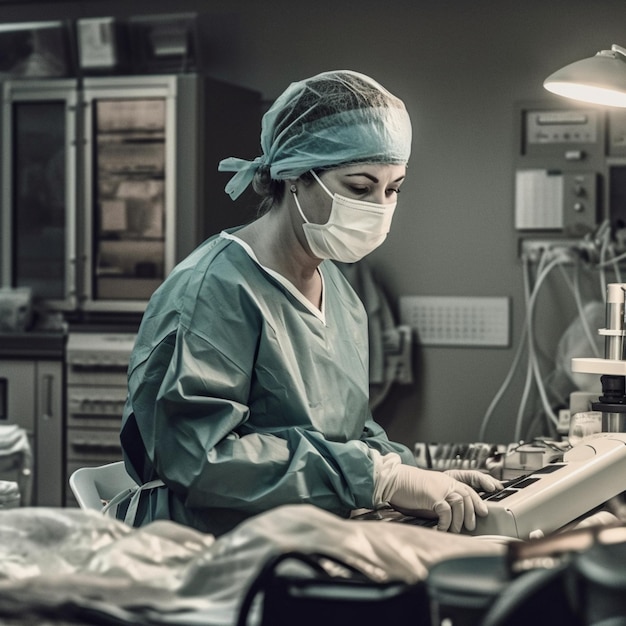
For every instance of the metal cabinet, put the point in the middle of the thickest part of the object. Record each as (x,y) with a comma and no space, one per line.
(32,396)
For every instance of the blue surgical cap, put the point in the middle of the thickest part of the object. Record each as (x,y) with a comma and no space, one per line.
(332,119)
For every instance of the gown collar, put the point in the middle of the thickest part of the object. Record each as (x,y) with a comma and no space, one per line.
(319,313)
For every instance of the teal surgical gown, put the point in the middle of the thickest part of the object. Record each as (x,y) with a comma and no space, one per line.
(242,398)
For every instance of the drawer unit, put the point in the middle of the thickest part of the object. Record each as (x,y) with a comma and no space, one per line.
(97,365)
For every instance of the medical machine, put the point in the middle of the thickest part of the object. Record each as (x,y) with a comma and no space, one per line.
(592,471)
(559,161)
(612,368)
(556,494)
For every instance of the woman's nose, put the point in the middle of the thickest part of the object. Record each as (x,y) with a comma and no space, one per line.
(381,197)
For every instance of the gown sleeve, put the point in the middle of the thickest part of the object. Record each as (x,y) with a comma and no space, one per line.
(375,437)
(200,443)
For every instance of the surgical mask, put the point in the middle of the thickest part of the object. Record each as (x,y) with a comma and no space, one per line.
(352,231)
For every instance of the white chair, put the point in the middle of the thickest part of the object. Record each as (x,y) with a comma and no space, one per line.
(93,487)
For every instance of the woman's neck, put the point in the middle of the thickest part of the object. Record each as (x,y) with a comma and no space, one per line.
(276,247)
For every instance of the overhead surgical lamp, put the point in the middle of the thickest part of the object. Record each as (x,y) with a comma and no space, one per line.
(600,79)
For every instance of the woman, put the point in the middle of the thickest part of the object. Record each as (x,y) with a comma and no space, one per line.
(248,384)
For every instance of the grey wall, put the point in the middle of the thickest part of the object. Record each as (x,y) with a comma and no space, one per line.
(460,66)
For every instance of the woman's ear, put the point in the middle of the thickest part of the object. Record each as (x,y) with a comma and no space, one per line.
(306,179)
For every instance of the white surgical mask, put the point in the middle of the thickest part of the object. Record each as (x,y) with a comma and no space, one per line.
(352,231)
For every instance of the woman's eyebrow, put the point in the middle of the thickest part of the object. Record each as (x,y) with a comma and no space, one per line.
(373,178)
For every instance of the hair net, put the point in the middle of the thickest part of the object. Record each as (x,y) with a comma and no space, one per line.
(334,118)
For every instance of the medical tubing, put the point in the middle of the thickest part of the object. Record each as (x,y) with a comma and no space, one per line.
(591,337)
(532,364)
(616,269)
(603,242)
(602,270)
(575,289)
(523,337)
(536,368)
(607,246)
(507,381)
(531,344)
(528,379)
(529,370)
(532,424)
(603,284)
(613,260)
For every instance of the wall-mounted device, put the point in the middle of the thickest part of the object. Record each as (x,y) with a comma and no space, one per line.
(570,169)
(559,156)
(556,200)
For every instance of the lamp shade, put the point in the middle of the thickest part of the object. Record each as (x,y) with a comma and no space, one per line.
(600,79)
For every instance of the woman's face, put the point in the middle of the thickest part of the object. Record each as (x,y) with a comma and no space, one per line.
(377,183)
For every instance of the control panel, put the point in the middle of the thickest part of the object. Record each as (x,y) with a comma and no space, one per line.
(565,128)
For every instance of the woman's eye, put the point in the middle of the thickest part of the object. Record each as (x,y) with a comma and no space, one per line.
(359,190)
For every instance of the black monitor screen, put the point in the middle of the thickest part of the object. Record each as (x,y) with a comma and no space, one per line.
(617,197)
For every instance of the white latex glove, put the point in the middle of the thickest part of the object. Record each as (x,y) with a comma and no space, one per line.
(417,491)
(478,480)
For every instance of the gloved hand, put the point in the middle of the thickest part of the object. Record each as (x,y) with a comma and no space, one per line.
(416,491)
(478,480)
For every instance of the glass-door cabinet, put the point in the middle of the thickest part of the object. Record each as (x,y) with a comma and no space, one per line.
(88,189)
(39,192)
(129,190)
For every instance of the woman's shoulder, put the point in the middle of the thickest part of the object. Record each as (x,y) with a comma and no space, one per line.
(213,266)
(205,254)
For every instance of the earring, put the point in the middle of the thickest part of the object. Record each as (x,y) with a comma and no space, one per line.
(293,189)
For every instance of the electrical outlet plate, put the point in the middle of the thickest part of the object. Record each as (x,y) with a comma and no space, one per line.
(457,320)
